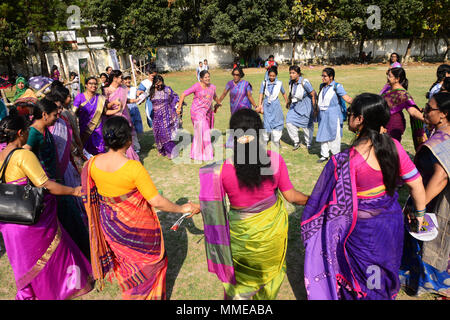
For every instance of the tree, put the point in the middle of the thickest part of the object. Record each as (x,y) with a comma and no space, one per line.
(245,24)
(135,26)
(303,15)
(12,36)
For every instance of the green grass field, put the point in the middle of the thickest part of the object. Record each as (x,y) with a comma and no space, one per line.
(187,275)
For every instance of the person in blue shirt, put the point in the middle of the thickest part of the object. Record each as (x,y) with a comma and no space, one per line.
(3,111)
(330,119)
(271,107)
(302,98)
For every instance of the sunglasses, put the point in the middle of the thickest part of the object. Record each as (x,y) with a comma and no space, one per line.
(428,108)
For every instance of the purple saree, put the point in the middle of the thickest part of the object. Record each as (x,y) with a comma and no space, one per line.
(47,264)
(165,120)
(353,246)
(91,122)
(238,95)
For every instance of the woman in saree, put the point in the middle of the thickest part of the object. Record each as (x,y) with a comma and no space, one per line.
(246,247)
(240,95)
(22,89)
(90,108)
(202,115)
(47,264)
(398,98)
(240,92)
(117,96)
(352,226)
(425,264)
(165,117)
(125,232)
(45,146)
(394,60)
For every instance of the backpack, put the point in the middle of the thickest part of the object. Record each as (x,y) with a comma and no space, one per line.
(341,100)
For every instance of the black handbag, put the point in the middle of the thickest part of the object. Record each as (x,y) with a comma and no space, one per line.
(19,204)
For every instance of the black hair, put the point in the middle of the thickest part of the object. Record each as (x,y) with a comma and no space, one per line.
(441,74)
(271,56)
(58,92)
(446,84)
(330,72)
(443,102)
(296,69)
(399,73)
(150,70)
(10,126)
(116,132)
(112,75)
(108,68)
(241,72)
(54,67)
(203,73)
(248,156)
(73,73)
(156,79)
(376,114)
(102,75)
(398,57)
(44,105)
(273,69)
(93,78)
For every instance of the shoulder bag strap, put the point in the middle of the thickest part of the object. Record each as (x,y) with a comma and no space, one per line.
(5,165)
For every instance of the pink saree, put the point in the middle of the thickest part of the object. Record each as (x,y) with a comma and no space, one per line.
(202,116)
(121,93)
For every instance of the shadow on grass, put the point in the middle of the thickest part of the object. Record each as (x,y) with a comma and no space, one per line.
(176,243)
(295,256)
(147,142)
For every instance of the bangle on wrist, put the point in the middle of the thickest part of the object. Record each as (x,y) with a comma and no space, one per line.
(419,213)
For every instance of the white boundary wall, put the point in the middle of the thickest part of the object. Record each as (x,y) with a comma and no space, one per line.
(187,57)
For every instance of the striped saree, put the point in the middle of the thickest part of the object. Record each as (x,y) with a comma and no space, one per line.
(126,237)
(245,248)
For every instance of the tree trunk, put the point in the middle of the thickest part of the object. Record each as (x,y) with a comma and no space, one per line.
(293,52)
(41,53)
(445,55)
(91,56)
(361,46)
(408,50)
(60,60)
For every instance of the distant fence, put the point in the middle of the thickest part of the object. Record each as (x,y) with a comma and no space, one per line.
(187,56)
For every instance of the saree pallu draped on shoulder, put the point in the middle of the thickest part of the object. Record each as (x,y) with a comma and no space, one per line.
(247,247)
(342,250)
(125,237)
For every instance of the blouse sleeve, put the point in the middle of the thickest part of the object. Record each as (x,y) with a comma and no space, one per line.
(191,90)
(33,138)
(340,91)
(280,169)
(31,167)
(408,170)
(282,90)
(144,183)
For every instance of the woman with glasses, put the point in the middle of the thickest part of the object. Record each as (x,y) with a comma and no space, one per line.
(425,264)
(240,95)
(240,92)
(90,107)
(165,118)
(353,225)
